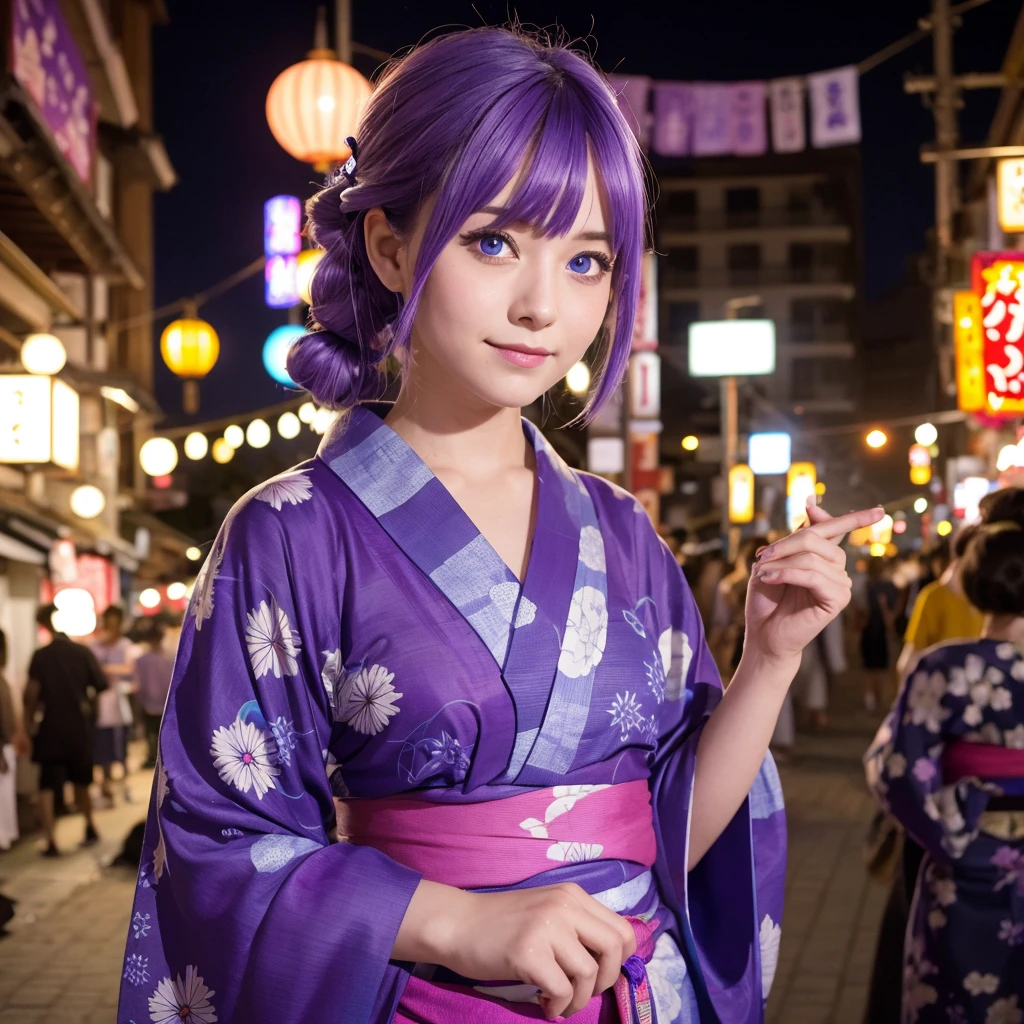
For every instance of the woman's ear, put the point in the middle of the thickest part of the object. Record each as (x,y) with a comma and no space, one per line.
(384,249)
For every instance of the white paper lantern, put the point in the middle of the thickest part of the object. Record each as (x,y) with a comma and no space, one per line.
(43,354)
(88,501)
(158,456)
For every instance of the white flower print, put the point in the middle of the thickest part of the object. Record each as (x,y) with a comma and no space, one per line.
(961,679)
(592,549)
(1005,1011)
(136,969)
(656,677)
(332,674)
(1011,933)
(271,640)
(936,920)
(245,757)
(626,713)
(290,488)
(182,1002)
(1014,738)
(972,715)
(1006,651)
(924,701)
(140,924)
(896,766)
(585,633)
(574,853)
(770,937)
(526,614)
(944,891)
(1001,699)
(284,738)
(667,975)
(202,593)
(367,700)
(916,993)
(981,984)
(1017,670)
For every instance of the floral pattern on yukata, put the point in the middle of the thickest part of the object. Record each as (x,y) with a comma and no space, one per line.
(964,955)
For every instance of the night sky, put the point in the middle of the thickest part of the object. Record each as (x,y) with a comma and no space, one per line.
(215,62)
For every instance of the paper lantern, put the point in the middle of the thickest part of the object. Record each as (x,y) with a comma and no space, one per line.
(234,435)
(196,446)
(190,347)
(307,264)
(223,452)
(158,456)
(313,106)
(43,353)
(288,425)
(87,501)
(258,433)
(76,612)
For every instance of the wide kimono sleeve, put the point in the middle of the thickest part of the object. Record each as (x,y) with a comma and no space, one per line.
(729,907)
(247,908)
(904,762)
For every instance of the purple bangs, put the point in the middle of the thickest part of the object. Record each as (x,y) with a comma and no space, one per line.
(457,118)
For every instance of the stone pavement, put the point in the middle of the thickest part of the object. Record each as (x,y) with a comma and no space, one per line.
(62,962)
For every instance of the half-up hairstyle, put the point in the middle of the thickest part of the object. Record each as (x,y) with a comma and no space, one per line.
(454,120)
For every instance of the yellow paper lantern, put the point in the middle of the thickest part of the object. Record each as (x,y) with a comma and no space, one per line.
(223,452)
(158,456)
(920,475)
(307,263)
(196,445)
(87,501)
(43,353)
(190,347)
(691,443)
(313,106)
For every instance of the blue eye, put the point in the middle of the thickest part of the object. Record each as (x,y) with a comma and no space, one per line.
(581,264)
(490,245)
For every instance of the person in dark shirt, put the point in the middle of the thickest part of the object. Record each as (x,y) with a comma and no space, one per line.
(63,680)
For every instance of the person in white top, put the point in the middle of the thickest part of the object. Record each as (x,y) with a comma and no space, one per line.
(114,652)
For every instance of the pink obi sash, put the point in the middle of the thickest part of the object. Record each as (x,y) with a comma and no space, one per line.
(504,842)
(963,759)
(501,843)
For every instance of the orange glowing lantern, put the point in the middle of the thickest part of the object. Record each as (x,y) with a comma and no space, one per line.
(190,347)
(313,106)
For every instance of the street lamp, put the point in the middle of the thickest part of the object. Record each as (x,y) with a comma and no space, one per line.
(876,439)
(926,434)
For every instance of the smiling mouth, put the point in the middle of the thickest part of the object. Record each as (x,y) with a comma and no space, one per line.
(522,349)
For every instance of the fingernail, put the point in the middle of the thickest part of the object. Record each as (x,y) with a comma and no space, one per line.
(768,574)
(812,500)
(765,554)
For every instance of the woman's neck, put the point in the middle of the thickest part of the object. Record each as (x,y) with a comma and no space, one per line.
(1004,627)
(458,432)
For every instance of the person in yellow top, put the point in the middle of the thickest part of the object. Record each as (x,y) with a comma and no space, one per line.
(941,611)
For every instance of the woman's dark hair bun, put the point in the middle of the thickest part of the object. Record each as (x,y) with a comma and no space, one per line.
(992,569)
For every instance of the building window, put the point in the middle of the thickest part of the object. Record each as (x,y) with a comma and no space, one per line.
(744,263)
(801,261)
(820,379)
(820,320)
(680,316)
(680,266)
(742,206)
(677,209)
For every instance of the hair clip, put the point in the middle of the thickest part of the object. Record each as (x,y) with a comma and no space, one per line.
(347,170)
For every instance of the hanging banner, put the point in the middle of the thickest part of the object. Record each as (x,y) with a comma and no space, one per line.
(631,93)
(48,65)
(789,132)
(997,278)
(835,107)
(748,131)
(645,385)
(645,323)
(969,352)
(673,117)
(712,119)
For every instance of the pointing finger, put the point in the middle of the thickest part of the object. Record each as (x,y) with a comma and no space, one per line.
(836,528)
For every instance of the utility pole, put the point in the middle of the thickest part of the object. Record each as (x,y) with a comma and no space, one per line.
(944,106)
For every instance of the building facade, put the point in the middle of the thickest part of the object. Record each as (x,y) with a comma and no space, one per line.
(79,164)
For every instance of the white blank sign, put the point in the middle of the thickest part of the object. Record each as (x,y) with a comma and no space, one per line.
(732,348)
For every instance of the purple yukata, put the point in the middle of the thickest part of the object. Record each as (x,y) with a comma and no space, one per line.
(353,638)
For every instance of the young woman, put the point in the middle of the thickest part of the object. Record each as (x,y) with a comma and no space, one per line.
(444,740)
(948,763)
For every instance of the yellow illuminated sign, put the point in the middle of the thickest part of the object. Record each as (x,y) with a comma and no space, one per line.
(741,494)
(969,349)
(1010,188)
(39,421)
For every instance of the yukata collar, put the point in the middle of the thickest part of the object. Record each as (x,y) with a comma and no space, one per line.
(410,503)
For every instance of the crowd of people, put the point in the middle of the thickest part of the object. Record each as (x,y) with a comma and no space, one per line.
(82,704)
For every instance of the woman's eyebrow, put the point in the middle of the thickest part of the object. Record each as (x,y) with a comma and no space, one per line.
(583,236)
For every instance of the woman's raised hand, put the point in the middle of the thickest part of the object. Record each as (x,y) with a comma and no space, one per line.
(557,938)
(799,584)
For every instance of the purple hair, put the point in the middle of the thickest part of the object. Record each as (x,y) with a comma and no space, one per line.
(455,117)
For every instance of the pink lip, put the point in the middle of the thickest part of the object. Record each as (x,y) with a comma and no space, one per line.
(520,355)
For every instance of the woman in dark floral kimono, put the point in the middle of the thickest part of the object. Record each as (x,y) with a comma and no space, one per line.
(948,762)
